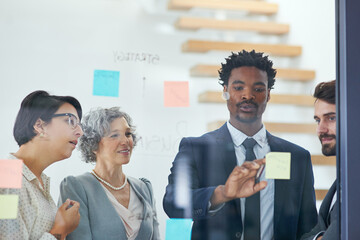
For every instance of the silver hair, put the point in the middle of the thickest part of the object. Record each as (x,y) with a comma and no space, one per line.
(96,125)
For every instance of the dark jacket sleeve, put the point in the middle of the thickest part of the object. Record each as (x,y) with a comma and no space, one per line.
(328,231)
(184,198)
(315,231)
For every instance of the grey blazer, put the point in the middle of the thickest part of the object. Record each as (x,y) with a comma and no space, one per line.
(98,218)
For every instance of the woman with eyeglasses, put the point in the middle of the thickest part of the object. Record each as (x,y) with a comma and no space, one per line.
(47,130)
(112,204)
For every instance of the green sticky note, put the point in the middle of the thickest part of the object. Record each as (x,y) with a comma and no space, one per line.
(278,165)
(9,206)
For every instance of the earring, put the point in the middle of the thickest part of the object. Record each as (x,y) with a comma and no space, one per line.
(41,134)
(225,96)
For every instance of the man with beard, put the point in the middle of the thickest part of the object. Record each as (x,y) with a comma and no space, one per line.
(325,116)
(219,196)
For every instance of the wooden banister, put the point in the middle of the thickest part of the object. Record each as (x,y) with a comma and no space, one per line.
(300,100)
(203,70)
(195,23)
(274,49)
(320,194)
(323,160)
(257,7)
(309,128)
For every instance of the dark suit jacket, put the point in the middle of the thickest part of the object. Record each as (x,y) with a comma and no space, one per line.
(325,223)
(208,161)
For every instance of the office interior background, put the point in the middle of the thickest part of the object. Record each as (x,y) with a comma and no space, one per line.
(58,45)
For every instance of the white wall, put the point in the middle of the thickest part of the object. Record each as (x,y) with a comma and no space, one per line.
(56,46)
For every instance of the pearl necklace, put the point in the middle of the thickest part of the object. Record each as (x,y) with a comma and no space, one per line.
(108,184)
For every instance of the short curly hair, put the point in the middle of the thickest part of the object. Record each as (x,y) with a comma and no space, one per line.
(247,59)
(96,125)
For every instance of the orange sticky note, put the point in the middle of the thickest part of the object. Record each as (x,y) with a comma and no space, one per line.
(176,94)
(10,173)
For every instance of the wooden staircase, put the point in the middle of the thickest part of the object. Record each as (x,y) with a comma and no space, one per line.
(261,27)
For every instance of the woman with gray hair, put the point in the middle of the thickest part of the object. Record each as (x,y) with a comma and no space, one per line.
(112,205)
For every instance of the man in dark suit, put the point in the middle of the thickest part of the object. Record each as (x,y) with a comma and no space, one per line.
(325,116)
(206,168)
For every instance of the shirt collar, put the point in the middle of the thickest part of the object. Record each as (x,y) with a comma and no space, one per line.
(239,137)
(30,176)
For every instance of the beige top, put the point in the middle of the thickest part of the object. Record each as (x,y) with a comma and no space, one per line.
(131,216)
(36,213)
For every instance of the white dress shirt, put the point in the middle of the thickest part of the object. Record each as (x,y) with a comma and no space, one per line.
(36,212)
(266,195)
(131,216)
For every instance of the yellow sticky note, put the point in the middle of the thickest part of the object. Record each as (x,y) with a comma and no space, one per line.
(9,206)
(176,94)
(278,165)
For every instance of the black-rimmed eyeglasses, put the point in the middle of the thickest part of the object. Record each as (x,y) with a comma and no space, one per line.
(72,120)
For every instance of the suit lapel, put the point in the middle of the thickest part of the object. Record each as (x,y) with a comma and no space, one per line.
(139,191)
(227,154)
(280,186)
(226,148)
(325,206)
(107,206)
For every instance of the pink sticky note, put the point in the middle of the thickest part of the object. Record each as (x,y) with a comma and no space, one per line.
(176,94)
(10,173)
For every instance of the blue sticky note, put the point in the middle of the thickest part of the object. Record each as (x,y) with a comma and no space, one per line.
(178,229)
(106,83)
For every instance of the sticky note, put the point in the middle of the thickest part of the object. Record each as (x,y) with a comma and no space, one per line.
(106,83)
(10,173)
(9,206)
(176,94)
(178,229)
(278,165)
